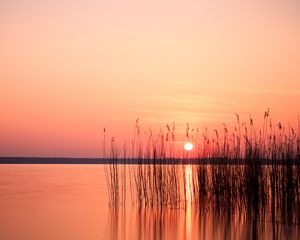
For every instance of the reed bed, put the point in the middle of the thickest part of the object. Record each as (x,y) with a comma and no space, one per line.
(257,171)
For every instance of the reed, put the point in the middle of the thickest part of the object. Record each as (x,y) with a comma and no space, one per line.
(256,170)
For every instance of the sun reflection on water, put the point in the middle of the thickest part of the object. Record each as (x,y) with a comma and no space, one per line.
(188,203)
(188,184)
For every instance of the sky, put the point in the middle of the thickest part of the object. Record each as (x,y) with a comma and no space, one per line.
(71,68)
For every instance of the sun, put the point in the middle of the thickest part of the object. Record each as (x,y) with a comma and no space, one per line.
(188,146)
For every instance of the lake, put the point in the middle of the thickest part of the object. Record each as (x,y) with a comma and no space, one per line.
(72,202)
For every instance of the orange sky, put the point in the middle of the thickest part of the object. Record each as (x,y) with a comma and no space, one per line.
(69,68)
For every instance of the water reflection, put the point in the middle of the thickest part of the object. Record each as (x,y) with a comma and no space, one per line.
(188,197)
(199,202)
(194,223)
(188,183)
(215,208)
(188,221)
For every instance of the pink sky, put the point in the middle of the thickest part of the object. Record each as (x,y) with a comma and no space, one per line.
(70,68)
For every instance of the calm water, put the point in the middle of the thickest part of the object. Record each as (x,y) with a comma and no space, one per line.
(70,202)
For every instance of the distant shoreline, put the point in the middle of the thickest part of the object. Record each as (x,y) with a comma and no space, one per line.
(68,160)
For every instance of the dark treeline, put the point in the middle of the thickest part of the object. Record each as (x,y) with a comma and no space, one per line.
(134,161)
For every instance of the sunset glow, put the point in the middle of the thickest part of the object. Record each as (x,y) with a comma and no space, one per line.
(149,119)
(69,69)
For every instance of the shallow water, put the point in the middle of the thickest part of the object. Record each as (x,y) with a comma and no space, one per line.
(71,202)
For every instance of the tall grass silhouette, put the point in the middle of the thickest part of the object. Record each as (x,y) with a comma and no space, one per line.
(245,169)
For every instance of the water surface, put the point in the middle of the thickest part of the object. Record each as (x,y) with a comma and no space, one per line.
(71,202)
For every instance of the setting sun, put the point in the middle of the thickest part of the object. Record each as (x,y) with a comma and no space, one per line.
(188,146)
(183,116)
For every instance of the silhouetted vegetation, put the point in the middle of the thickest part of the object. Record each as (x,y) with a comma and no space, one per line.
(260,171)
